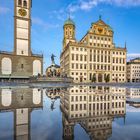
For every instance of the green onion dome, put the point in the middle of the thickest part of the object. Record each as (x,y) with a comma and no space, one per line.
(69,22)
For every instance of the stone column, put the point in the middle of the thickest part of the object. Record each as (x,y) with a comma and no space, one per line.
(103,79)
(96,78)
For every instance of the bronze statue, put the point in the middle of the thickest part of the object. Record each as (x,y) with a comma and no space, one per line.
(52,58)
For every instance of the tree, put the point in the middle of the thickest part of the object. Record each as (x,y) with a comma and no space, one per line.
(94,78)
(39,75)
(107,78)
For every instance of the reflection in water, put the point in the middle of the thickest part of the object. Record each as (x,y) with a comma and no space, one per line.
(6,97)
(94,108)
(133,93)
(21,102)
(133,97)
(54,94)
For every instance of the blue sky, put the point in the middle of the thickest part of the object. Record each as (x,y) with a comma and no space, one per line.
(48,17)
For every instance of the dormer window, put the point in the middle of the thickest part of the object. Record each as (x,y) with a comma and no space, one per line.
(19,2)
(25,3)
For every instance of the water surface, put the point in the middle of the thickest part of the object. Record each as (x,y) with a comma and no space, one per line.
(73,113)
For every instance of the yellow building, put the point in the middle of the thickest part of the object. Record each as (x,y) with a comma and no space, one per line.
(94,58)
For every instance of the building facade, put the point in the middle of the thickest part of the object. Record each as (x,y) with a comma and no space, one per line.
(94,108)
(94,58)
(133,70)
(21,63)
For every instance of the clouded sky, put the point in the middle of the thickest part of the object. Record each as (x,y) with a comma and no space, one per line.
(48,17)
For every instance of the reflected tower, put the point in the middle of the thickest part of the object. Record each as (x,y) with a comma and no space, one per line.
(21,102)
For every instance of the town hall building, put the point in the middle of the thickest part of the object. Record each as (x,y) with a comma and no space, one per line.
(21,63)
(95,58)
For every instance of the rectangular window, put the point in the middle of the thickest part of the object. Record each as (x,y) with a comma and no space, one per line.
(72,107)
(22,66)
(72,66)
(81,58)
(85,58)
(77,57)
(90,57)
(76,66)
(85,66)
(72,98)
(80,106)
(84,106)
(72,56)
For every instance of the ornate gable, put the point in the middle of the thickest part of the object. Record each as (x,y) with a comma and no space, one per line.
(101,28)
(100,23)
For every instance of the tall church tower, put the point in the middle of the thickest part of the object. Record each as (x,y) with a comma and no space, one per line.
(69,32)
(22,24)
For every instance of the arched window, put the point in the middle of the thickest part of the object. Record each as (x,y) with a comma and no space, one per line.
(36,96)
(6,95)
(19,2)
(6,66)
(22,66)
(25,3)
(36,67)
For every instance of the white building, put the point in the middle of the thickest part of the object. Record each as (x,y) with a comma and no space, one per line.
(95,58)
(133,70)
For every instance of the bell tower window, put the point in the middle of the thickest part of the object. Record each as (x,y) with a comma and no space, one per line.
(19,2)
(25,3)
(22,66)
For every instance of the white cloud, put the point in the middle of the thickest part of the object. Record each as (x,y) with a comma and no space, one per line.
(4,10)
(58,14)
(133,55)
(42,23)
(133,110)
(87,5)
(126,2)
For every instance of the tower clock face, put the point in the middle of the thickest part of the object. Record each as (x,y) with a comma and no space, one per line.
(22,12)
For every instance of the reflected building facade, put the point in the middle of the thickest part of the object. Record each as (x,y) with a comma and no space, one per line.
(133,97)
(21,102)
(94,108)
(54,94)
(133,93)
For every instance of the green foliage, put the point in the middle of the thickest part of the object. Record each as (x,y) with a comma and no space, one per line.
(94,78)
(107,78)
